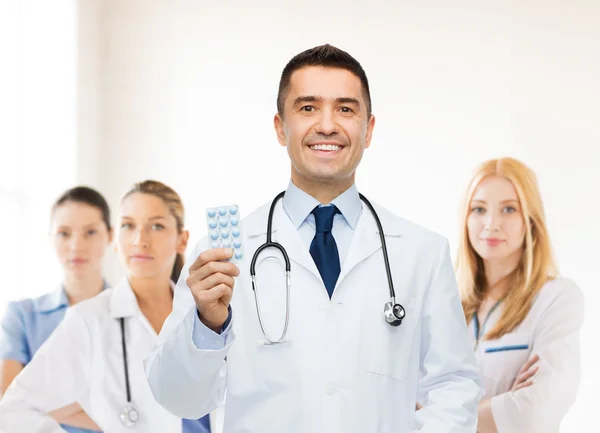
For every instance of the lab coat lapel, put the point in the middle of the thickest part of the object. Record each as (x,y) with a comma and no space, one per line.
(283,232)
(287,235)
(365,242)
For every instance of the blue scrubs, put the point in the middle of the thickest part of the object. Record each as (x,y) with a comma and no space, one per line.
(26,326)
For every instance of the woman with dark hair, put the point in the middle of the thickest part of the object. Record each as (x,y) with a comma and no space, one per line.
(80,232)
(95,357)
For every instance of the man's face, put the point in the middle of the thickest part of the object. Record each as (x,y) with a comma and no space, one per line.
(324,125)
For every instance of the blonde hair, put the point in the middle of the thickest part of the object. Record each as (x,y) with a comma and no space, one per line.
(537,264)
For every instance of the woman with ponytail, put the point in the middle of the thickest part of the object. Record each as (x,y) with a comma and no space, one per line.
(95,357)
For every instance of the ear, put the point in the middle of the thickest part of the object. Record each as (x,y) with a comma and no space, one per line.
(182,243)
(369,134)
(280,129)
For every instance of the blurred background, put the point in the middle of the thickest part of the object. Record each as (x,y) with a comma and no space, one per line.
(107,93)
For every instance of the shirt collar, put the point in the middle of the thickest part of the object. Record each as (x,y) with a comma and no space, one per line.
(55,300)
(123,302)
(298,205)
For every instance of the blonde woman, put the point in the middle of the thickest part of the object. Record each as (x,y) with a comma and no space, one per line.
(524,320)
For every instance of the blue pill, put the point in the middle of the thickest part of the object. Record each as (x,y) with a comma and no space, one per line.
(223,223)
(212,224)
(237,243)
(233,210)
(222,211)
(225,234)
(214,236)
(226,244)
(233,221)
(235,232)
(211,213)
(216,244)
(238,255)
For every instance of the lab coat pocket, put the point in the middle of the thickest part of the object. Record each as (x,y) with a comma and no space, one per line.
(503,358)
(386,349)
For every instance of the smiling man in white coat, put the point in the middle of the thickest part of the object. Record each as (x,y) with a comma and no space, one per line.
(338,365)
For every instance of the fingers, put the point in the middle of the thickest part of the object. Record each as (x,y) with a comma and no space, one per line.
(212,267)
(196,282)
(530,362)
(214,294)
(527,375)
(527,371)
(523,385)
(211,255)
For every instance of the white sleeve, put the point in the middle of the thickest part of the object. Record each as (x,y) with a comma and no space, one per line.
(450,381)
(542,406)
(186,380)
(57,376)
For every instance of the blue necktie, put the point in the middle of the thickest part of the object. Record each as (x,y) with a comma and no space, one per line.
(323,248)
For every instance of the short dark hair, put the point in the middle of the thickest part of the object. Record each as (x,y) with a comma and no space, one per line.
(85,195)
(327,56)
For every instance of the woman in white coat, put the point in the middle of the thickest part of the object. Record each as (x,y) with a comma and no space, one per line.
(95,356)
(524,320)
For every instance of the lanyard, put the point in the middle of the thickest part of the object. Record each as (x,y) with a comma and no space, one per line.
(479,330)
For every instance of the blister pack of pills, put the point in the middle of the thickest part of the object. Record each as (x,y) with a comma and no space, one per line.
(224,229)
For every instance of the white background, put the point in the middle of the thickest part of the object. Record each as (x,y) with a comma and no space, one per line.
(184,92)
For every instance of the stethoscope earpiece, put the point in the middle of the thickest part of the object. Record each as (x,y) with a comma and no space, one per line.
(393,313)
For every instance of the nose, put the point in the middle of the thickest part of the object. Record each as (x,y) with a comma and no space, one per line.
(140,238)
(492,223)
(327,124)
(76,242)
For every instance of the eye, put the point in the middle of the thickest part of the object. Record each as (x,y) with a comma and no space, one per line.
(157,227)
(126,226)
(63,234)
(477,209)
(92,232)
(346,110)
(509,209)
(307,108)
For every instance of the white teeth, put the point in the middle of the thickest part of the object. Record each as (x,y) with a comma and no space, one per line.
(326,147)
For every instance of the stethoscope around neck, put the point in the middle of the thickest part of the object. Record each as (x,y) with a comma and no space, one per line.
(393,312)
(129,414)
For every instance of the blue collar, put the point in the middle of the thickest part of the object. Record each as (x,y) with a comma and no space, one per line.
(55,300)
(298,205)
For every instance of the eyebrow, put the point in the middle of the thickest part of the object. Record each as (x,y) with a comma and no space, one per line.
(87,226)
(158,217)
(503,201)
(344,100)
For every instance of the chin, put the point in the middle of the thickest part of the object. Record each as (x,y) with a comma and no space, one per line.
(142,274)
(488,253)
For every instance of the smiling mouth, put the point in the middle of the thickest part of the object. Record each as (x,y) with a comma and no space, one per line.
(326,147)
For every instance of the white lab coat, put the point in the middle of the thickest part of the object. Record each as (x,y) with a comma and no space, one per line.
(550,330)
(343,369)
(82,362)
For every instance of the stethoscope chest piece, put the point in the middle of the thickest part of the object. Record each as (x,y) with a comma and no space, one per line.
(129,415)
(393,313)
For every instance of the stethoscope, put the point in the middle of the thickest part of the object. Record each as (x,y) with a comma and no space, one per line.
(478,329)
(393,312)
(129,415)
